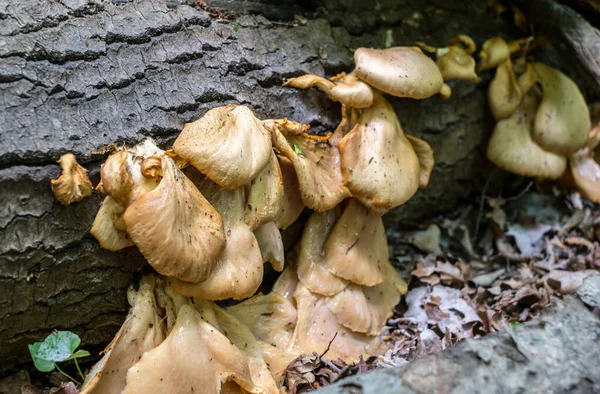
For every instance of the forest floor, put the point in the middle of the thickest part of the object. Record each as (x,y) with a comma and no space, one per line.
(489,265)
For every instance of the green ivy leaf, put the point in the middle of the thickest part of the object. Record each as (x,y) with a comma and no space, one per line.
(40,364)
(514,324)
(58,346)
(298,150)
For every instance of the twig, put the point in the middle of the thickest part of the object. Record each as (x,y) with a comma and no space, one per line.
(329,345)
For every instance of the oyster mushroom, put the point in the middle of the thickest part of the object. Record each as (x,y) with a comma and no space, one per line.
(586,174)
(228,144)
(496,50)
(318,329)
(292,205)
(344,88)
(271,245)
(239,267)
(265,195)
(379,165)
(171,367)
(143,330)
(175,227)
(356,248)
(73,184)
(365,309)
(316,161)
(108,227)
(311,268)
(455,61)
(399,71)
(426,160)
(504,93)
(562,121)
(512,148)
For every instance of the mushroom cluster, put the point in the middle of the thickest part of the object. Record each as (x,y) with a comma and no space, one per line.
(543,121)
(207,215)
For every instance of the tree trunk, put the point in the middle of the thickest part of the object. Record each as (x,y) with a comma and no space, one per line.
(76,75)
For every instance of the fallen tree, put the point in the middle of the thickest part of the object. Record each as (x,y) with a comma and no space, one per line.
(77,76)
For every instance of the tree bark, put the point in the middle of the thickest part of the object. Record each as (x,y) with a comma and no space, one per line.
(76,75)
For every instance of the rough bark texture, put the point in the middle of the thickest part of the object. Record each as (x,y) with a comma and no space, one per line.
(556,353)
(76,75)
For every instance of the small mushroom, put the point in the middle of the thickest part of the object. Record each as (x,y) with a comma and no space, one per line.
(143,330)
(175,227)
(426,160)
(108,227)
(586,174)
(271,245)
(311,268)
(228,144)
(378,163)
(455,61)
(504,92)
(496,50)
(356,248)
(316,161)
(366,309)
(239,267)
(265,195)
(292,205)
(73,184)
(399,71)
(286,284)
(512,148)
(562,121)
(319,329)
(344,88)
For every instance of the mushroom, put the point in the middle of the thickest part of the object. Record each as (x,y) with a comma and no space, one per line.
(343,88)
(195,345)
(271,245)
(586,174)
(228,144)
(311,268)
(292,205)
(108,227)
(73,184)
(265,195)
(455,61)
(562,121)
(143,330)
(399,71)
(426,160)
(378,163)
(316,161)
(365,309)
(512,148)
(504,92)
(356,248)
(239,267)
(286,284)
(319,329)
(496,50)
(175,227)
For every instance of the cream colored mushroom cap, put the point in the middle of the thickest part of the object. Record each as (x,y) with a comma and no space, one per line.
(399,71)
(586,174)
(175,227)
(228,144)
(73,184)
(512,149)
(493,52)
(562,121)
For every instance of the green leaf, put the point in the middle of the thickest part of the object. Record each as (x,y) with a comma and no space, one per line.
(40,364)
(58,346)
(78,354)
(514,324)
(298,150)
